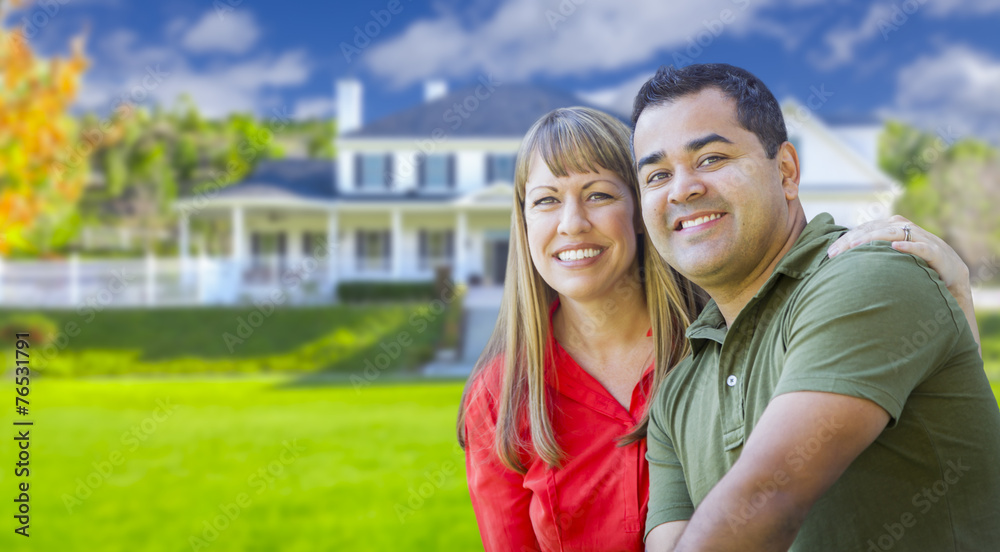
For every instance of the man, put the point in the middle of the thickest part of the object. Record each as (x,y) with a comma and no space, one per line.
(829,404)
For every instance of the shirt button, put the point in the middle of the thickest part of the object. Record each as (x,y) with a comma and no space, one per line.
(731,381)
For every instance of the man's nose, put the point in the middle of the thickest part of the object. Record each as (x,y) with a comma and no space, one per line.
(685,187)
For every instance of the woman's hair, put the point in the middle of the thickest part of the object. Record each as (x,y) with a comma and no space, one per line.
(575,140)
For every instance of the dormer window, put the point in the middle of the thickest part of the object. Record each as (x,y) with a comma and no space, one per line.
(436,171)
(373,171)
(500,167)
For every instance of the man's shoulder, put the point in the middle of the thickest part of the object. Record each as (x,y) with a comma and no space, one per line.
(872,268)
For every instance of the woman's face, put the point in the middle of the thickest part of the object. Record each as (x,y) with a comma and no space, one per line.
(581,230)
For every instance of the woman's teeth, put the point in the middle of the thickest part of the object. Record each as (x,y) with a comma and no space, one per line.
(577,254)
(699,220)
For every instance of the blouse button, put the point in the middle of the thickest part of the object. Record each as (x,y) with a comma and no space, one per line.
(731,381)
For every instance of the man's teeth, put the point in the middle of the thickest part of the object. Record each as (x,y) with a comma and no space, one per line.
(577,254)
(699,220)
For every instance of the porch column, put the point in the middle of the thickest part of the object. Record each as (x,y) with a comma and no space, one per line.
(237,248)
(461,236)
(332,249)
(183,245)
(396,244)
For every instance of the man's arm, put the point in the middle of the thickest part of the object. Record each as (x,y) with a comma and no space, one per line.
(785,491)
(664,537)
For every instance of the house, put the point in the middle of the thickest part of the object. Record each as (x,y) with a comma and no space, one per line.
(422,189)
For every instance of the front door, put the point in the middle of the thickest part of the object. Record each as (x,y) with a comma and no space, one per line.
(498,251)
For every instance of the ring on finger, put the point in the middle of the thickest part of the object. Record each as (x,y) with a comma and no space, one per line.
(906,232)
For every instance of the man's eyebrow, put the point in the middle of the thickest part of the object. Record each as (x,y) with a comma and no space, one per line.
(654,157)
(698,143)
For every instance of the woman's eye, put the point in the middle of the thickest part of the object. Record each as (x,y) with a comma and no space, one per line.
(599,196)
(544,201)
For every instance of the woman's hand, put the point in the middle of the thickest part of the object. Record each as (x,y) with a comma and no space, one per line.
(939,255)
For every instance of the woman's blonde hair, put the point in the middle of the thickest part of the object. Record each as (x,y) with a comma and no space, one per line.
(568,140)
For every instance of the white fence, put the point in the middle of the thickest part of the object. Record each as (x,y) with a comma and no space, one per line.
(152,281)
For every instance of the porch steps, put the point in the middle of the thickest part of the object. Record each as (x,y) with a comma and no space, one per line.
(477,326)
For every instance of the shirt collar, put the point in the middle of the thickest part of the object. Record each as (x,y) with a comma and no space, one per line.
(805,257)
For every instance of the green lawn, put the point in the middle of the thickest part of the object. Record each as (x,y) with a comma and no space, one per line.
(375,468)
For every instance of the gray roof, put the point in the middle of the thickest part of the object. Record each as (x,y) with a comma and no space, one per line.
(302,178)
(507,113)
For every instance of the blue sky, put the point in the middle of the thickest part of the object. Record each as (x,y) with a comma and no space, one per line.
(932,62)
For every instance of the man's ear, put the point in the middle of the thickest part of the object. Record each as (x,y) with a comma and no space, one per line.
(788,167)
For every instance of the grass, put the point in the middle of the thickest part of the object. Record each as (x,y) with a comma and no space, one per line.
(184,341)
(366,456)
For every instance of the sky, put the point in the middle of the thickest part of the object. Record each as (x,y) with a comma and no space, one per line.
(933,63)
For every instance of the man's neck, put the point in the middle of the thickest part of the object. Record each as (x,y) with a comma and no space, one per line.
(731,298)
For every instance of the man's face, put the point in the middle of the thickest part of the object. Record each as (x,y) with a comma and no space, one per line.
(714,204)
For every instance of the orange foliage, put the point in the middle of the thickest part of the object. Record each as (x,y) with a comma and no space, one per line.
(41,178)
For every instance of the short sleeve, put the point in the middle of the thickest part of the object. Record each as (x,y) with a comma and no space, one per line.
(872,323)
(669,499)
(499,499)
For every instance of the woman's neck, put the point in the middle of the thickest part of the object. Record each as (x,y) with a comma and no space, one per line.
(602,326)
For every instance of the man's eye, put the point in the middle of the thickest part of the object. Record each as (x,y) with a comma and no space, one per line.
(659,175)
(711,160)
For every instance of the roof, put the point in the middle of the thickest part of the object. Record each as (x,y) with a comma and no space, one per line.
(301,178)
(509,111)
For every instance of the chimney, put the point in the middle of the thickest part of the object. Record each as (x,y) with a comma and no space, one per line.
(434,89)
(349,105)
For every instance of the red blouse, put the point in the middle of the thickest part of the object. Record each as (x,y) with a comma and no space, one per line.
(595,502)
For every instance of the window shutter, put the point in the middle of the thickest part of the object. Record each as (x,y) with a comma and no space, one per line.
(387,240)
(421,170)
(388,171)
(281,244)
(451,170)
(489,168)
(359,246)
(449,244)
(422,247)
(255,243)
(358,166)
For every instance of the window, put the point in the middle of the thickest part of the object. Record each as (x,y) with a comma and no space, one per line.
(437,247)
(500,167)
(314,244)
(373,250)
(266,244)
(437,172)
(373,171)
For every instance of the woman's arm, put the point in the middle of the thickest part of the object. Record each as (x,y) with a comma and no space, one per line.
(498,495)
(939,255)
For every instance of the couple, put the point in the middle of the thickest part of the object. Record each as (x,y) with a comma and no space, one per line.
(829,396)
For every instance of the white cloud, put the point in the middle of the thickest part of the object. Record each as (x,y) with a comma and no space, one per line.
(843,41)
(961,7)
(956,88)
(524,38)
(618,98)
(314,107)
(235,33)
(145,74)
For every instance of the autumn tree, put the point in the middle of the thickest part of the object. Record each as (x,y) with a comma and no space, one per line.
(42,171)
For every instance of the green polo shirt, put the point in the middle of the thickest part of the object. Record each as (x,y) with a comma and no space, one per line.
(872,323)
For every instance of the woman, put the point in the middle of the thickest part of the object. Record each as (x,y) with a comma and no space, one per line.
(553,418)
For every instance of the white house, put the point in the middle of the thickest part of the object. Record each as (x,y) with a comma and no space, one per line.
(426,187)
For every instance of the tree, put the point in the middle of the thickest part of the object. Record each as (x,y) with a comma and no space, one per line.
(951,190)
(42,167)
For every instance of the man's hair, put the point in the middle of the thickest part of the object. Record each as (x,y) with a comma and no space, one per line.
(756,108)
